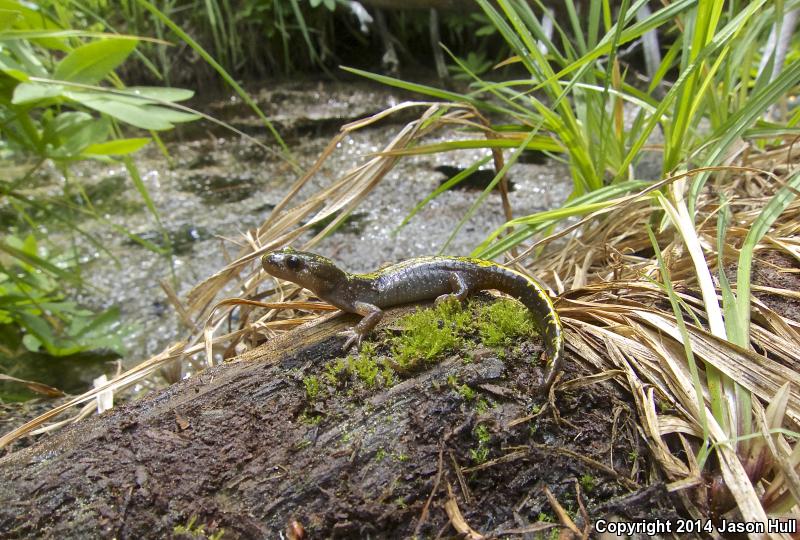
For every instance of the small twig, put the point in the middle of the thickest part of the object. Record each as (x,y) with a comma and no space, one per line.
(461,481)
(587,523)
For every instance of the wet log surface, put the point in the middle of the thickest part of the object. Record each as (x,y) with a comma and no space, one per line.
(240,447)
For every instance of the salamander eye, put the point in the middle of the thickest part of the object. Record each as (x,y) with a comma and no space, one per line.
(294,263)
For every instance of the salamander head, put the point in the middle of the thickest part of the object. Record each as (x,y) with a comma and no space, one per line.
(314,272)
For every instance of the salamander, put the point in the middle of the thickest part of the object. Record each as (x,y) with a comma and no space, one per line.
(415,280)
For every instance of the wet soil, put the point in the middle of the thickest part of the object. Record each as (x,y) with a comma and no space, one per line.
(241,447)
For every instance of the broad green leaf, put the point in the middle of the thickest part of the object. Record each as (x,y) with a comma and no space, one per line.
(39,329)
(171,115)
(116,147)
(31,342)
(27,92)
(28,59)
(90,322)
(135,115)
(158,93)
(28,16)
(7,19)
(131,110)
(90,63)
(12,68)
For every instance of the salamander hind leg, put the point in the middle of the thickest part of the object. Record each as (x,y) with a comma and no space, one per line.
(372,316)
(461,289)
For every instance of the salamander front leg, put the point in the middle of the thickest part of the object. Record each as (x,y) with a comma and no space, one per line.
(461,289)
(372,316)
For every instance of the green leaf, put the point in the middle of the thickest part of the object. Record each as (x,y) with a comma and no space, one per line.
(13,69)
(774,208)
(25,59)
(37,262)
(116,147)
(90,63)
(171,115)
(224,74)
(31,342)
(40,332)
(8,18)
(135,115)
(72,143)
(65,125)
(27,92)
(158,93)
(28,16)
(91,324)
(132,110)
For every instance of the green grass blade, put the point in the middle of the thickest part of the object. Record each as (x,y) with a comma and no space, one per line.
(776,205)
(687,347)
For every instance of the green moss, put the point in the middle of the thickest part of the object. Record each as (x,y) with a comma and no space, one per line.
(502,321)
(312,387)
(429,333)
(481,453)
(334,370)
(482,434)
(481,406)
(380,455)
(365,367)
(197,531)
(466,392)
(588,482)
(310,419)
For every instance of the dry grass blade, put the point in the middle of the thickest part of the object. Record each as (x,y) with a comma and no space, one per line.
(34,386)
(457,518)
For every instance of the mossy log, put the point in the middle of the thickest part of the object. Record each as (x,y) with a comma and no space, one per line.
(241,448)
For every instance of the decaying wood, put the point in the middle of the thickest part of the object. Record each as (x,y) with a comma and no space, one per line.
(240,447)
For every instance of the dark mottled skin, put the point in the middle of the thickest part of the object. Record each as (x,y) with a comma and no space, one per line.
(414,280)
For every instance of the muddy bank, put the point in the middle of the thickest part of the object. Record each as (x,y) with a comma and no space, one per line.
(243,447)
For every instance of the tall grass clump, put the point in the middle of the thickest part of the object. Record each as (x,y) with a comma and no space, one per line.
(578,101)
